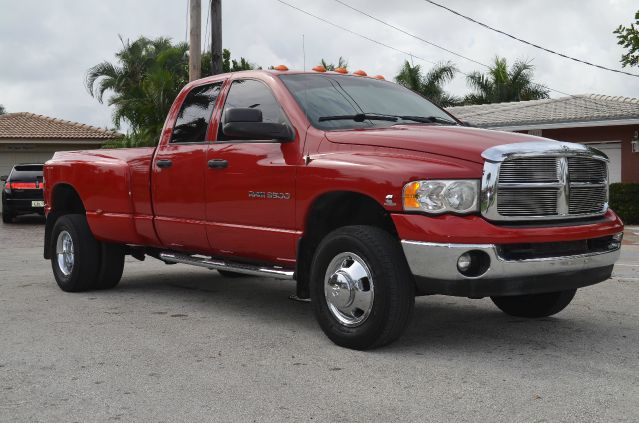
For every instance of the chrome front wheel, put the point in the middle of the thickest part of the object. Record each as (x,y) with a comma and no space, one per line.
(361,288)
(349,289)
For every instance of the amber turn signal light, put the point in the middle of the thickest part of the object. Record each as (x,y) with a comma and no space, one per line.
(410,196)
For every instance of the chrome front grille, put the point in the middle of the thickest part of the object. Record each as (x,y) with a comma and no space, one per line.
(585,200)
(545,183)
(587,170)
(529,202)
(533,169)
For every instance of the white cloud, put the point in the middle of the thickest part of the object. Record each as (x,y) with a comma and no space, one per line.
(46,47)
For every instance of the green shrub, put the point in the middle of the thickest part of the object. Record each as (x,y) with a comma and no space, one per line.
(624,200)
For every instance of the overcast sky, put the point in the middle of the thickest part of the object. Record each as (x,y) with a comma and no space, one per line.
(46,47)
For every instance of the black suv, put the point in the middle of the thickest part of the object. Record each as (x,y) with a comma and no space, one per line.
(23,191)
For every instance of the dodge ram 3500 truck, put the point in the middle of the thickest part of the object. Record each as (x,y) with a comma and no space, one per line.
(360,190)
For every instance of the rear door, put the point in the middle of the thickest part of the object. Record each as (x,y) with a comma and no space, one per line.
(179,172)
(250,186)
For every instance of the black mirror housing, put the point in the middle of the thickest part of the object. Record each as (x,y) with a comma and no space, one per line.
(258,130)
(243,115)
(247,123)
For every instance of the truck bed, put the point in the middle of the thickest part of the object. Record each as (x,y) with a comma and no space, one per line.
(114,185)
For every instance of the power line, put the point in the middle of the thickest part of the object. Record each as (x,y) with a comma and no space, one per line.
(418,57)
(443,48)
(565,56)
(353,32)
(411,35)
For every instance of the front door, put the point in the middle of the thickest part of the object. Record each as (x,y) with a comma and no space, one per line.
(250,185)
(179,173)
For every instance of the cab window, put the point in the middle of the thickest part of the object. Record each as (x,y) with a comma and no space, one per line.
(195,114)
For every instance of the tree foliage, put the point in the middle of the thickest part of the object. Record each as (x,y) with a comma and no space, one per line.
(143,83)
(628,38)
(341,63)
(502,84)
(431,84)
(2,110)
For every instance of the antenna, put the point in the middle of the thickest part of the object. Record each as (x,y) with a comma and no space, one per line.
(304,52)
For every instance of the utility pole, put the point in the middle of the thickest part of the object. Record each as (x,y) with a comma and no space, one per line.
(216,37)
(195,40)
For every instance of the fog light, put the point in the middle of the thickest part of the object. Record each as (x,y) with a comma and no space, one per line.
(473,264)
(616,241)
(464,262)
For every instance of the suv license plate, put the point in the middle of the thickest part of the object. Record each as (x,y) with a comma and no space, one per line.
(37,204)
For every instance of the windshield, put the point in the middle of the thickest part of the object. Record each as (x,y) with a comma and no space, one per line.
(348,102)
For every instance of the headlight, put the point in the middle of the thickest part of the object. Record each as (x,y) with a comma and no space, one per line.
(442,196)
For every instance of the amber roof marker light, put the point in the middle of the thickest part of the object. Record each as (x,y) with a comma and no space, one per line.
(280,68)
(341,70)
(360,73)
(319,68)
(380,77)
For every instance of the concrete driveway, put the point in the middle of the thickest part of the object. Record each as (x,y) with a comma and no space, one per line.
(174,343)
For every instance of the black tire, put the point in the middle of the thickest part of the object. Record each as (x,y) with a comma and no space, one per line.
(229,274)
(7,215)
(111,266)
(535,305)
(83,274)
(394,289)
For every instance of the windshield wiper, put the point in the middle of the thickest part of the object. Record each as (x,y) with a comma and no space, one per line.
(360,117)
(429,119)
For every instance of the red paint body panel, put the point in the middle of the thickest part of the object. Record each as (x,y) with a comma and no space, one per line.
(194,208)
(476,230)
(447,141)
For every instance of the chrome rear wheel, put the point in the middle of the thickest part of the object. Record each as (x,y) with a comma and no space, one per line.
(64,252)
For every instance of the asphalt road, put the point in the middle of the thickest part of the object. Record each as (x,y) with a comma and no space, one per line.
(175,343)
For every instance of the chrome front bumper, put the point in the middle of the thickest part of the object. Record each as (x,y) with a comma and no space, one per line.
(434,266)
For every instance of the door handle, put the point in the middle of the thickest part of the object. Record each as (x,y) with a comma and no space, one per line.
(218,164)
(162,164)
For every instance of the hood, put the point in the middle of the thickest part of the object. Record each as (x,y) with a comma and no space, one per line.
(452,141)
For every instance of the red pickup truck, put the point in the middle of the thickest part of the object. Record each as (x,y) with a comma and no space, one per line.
(360,190)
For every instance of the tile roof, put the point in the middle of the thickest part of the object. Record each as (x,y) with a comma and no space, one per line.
(578,108)
(31,126)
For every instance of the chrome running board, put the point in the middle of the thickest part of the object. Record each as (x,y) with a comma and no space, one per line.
(210,263)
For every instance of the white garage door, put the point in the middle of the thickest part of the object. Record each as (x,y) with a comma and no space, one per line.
(613,151)
(9,158)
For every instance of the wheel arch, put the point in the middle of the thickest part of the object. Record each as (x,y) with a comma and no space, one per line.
(64,200)
(330,211)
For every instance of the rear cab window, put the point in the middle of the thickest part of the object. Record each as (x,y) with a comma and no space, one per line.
(195,113)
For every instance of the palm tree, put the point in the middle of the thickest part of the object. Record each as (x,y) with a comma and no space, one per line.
(228,64)
(143,84)
(501,84)
(429,85)
(2,110)
(341,63)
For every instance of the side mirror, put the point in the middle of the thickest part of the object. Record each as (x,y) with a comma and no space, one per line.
(4,178)
(247,123)
(466,123)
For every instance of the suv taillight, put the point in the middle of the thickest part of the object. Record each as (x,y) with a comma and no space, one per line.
(21,185)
